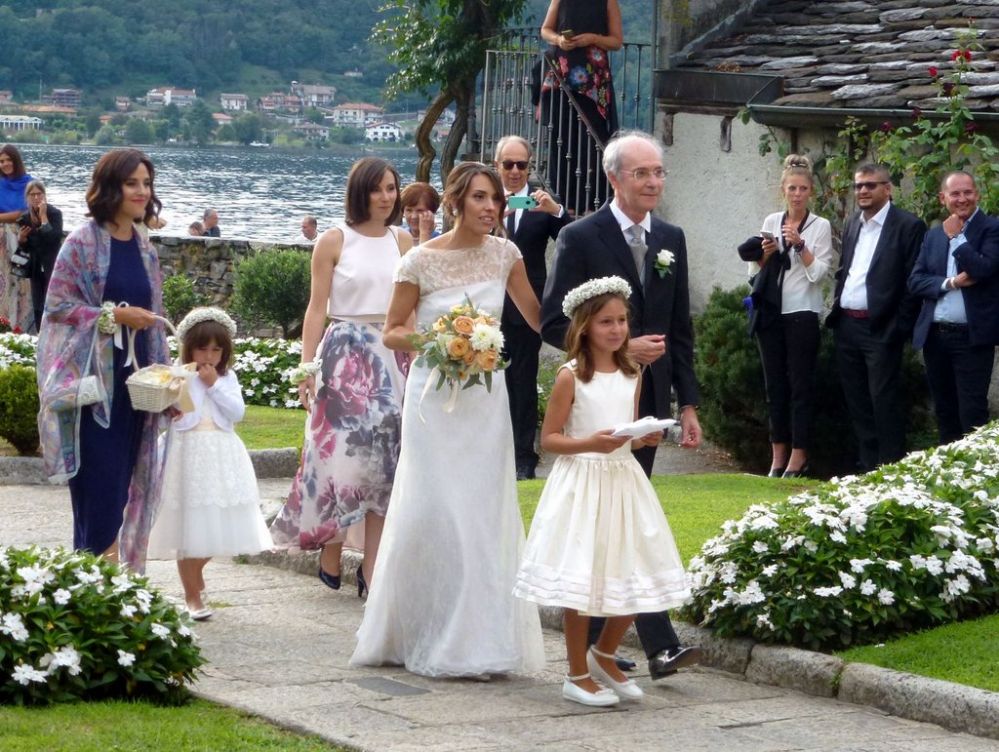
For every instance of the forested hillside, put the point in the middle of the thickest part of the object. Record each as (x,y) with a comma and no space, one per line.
(126,46)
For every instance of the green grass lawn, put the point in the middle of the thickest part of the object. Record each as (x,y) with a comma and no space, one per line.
(101,726)
(964,652)
(271,427)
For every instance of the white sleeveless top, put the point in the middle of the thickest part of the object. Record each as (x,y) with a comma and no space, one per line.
(362,279)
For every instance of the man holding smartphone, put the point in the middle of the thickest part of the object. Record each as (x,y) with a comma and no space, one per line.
(533,218)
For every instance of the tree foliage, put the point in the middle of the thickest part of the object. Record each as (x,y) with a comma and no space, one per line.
(441,44)
(188,43)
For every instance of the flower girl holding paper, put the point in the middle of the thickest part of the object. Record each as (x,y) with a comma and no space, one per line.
(599,544)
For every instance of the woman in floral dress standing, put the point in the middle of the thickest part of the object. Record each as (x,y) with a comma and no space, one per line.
(581,33)
(353,390)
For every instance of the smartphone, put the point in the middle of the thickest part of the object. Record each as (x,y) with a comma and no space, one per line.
(521,202)
(767,235)
(568,33)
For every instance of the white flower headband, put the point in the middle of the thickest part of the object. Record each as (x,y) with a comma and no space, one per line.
(600,286)
(208,313)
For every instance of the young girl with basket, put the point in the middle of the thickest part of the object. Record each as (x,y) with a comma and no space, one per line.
(210,504)
(599,544)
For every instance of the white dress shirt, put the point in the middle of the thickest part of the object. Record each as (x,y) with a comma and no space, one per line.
(950,308)
(854,296)
(627,223)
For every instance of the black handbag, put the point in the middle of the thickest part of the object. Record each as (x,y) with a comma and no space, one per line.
(22,262)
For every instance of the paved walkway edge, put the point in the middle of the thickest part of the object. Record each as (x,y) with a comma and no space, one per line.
(952,706)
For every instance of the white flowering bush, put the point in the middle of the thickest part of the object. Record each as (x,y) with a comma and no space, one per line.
(263,366)
(75,626)
(908,546)
(17,349)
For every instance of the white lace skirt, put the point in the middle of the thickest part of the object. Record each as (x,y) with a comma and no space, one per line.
(210,504)
(600,543)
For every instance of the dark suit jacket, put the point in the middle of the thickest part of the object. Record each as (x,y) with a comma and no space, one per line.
(532,235)
(979,257)
(594,246)
(890,305)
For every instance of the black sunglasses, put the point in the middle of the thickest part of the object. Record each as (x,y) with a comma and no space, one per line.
(869,185)
(509,164)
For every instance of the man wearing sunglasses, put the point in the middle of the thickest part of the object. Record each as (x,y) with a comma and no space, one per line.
(531,229)
(873,314)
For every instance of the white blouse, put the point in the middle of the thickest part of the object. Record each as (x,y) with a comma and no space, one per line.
(802,288)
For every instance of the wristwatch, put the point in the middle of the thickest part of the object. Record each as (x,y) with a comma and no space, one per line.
(798,247)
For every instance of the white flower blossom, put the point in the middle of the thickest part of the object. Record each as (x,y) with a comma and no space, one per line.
(161,630)
(759,547)
(847,580)
(125,659)
(867,587)
(128,611)
(61,596)
(857,565)
(24,674)
(827,592)
(885,596)
(64,657)
(13,625)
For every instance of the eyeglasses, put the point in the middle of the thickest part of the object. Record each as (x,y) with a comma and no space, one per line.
(509,164)
(869,184)
(643,173)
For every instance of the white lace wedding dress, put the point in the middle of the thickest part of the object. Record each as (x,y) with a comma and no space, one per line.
(441,599)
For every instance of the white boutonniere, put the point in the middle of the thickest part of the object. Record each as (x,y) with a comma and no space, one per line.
(664,260)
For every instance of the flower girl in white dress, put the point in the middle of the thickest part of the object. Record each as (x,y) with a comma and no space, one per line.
(599,544)
(210,505)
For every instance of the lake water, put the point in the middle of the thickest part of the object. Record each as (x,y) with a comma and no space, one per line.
(260,193)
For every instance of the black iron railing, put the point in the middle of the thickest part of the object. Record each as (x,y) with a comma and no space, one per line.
(567,148)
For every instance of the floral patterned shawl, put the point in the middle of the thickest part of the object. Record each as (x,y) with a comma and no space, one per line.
(68,337)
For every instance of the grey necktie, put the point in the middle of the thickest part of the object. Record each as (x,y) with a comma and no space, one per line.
(636,241)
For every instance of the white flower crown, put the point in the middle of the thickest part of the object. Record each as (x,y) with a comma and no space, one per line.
(600,286)
(207,313)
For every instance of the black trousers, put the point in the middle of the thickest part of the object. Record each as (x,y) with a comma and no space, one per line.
(655,631)
(789,350)
(870,368)
(959,374)
(521,347)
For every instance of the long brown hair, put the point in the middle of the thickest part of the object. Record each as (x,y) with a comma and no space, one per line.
(104,195)
(459,181)
(577,342)
(365,176)
(15,159)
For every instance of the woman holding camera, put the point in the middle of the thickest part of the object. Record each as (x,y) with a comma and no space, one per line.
(40,235)
(14,292)
(796,254)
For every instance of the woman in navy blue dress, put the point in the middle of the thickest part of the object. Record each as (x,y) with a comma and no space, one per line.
(106,281)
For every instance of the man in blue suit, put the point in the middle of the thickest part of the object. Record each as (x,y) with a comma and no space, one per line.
(623,238)
(957,277)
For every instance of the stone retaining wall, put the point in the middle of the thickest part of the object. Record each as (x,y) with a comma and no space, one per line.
(209,262)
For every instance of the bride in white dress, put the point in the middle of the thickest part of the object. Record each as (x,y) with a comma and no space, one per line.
(441,602)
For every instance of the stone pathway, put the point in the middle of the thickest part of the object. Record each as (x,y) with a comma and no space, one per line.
(279,642)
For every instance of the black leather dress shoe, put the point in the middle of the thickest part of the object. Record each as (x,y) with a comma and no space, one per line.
(525,472)
(625,664)
(667,662)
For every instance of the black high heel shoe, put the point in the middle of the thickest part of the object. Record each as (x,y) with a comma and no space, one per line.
(776,472)
(799,473)
(329,580)
(362,585)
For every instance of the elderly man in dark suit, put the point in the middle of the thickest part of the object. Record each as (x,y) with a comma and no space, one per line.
(957,278)
(530,229)
(873,313)
(623,238)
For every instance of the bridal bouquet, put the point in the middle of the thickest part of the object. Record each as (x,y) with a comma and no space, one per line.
(462,347)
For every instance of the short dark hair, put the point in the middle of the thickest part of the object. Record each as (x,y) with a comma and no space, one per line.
(204,333)
(414,192)
(459,180)
(872,168)
(104,195)
(952,173)
(365,177)
(15,157)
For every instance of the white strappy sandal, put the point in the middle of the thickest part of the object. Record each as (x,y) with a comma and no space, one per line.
(626,690)
(602,698)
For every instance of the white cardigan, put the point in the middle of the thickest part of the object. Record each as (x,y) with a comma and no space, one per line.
(223,402)
(802,289)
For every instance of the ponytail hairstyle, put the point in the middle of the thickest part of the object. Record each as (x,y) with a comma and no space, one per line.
(797,164)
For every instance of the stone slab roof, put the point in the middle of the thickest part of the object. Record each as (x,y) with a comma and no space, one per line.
(860,53)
